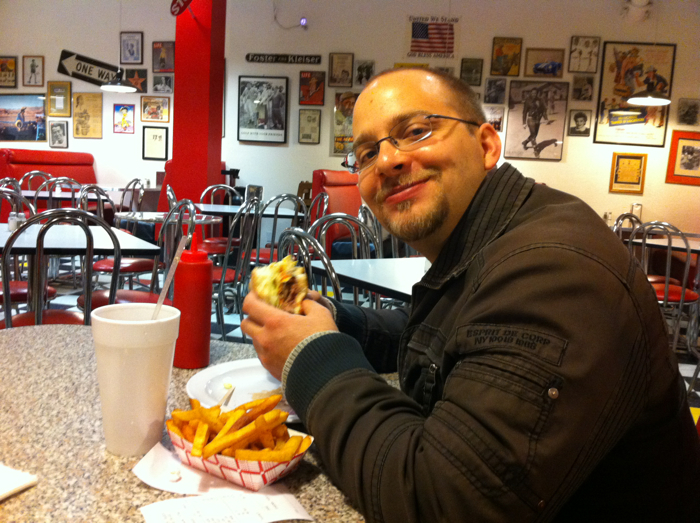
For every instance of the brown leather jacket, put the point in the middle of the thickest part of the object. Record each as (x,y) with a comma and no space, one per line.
(537,382)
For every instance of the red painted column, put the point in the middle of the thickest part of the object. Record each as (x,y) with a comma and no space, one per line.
(197,106)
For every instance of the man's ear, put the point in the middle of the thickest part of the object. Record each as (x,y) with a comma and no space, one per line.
(490,144)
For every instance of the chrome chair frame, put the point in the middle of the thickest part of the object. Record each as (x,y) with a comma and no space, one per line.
(299,213)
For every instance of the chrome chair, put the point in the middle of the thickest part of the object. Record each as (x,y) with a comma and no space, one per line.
(633,219)
(316,209)
(38,315)
(102,196)
(134,191)
(213,242)
(30,176)
(268,254)
(52,184)
(172,199)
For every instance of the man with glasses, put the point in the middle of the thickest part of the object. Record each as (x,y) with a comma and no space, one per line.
(536,383)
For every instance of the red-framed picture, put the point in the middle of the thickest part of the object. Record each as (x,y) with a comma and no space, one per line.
(684,158)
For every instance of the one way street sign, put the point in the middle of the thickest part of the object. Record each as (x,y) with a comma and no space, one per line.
(85,68)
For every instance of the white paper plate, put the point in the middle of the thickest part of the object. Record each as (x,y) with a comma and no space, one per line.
(248,376)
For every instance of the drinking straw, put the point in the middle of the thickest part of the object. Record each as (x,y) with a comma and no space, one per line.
(169,277)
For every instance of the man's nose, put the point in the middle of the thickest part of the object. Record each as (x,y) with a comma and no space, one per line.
(390,159)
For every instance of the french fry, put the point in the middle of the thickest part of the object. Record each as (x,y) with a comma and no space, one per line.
(287,452)
(172,426)
(188,432)
(247,406)
(185,415)
(194,404)
(200,439)
(305,444)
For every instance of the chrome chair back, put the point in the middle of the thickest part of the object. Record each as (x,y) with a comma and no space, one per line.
(228,195)
(30,176)
(170,193)
(134,190)
(102,196)
(62,183)
(277,202)
(633,219)
(16,200)
(316,209)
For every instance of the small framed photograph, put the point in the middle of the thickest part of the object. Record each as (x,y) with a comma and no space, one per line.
(494,116)
(544,62)
(138,78)
(33,71)
(505,56)
(364,70)
(579,122)
(627,173)
(688,111)
(58,134)
(87,115)
(583,56)
(8,71)
(163,57)
(684,158)
(155,143)
(340,68)
(131,47)
(312,90)
(470,71)
(163,83)
(124,118)
(495,91)
(341,129)
(155,109)
(59,97)
(23,117)
(310,126)
(582,88)
(262,114)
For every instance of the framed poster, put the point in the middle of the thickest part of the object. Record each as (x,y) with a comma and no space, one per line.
(310,126)
(544,62)
(163,83)
(155,143)
(131,47)
(470,71)
(688,111)
(627,173)
(22,117)
(312,87)
(59,98)
(342,122)
(262,114)
(87,115)
(340,68)
(58,134)
(155,109)
(33,71)
(536,120)
(124,118)
(629,68)
(583,55)
(8,71)
(495,91)
(138,78)
(582,89)
(684,158)
(494,116)
(364,70)
(163,57)
(579,122)
(505,56)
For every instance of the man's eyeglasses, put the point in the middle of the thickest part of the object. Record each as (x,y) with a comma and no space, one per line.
(404,136)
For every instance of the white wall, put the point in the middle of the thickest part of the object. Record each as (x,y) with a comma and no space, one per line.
(371,29)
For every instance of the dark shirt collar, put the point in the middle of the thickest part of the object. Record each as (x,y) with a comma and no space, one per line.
(498,198)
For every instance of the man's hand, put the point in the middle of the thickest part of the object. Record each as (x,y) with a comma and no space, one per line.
(275,332)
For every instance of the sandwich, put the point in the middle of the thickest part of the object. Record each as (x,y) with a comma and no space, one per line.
(282,284)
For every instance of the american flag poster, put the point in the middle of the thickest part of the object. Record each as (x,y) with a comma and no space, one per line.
(432,36)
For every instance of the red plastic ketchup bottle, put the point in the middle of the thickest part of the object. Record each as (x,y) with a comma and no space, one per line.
(193,295)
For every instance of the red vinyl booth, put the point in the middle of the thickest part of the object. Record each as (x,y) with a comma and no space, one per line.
(343,196)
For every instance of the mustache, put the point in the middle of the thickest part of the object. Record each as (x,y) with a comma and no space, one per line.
(395,184)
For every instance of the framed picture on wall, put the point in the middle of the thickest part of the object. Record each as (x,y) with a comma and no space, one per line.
(131,47)
(155,109)
(312,90)
(163,57)
(163,83)
(8,71)
(544,62)
(33,71)
(58,134)
(536,120)
(364,70)
(124,118)
(138,78)
(342,122)
(583,55)
(494,116)
(582,89)
(340,68)
(579,122)
(87,115)
(495,91)
(59,97)
(262,114)
(23,117)
(310,126)
(684,158)
(688,111)
(627,173)
(505,56)
(471,69)
(155,143)
(630,68)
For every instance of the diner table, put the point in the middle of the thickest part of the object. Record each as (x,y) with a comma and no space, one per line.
(231,210)
(159,217)
(676,244)
(52,428)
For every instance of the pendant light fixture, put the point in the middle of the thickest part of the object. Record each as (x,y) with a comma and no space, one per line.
(116,84)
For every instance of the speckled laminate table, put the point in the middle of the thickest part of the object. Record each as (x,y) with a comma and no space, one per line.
(51,426)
